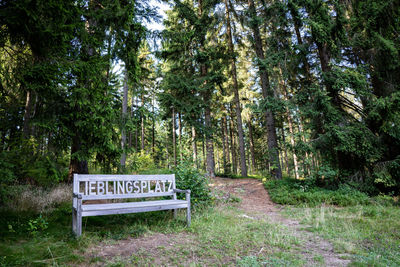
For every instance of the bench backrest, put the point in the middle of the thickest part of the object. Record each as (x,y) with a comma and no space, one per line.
(96,186)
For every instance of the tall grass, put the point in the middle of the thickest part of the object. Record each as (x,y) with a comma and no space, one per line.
(37,199)
(364,227)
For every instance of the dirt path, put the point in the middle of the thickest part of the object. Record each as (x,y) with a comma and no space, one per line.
(257,204)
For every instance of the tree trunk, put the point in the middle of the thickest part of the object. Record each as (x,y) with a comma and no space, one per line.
(173,135)
(253,158)
(27,115)
(266,91)
(124,117)
(243,167)
(209,141)
(76,165)
(233,144)
(210,167)
(224,165)
(153,129)
(194,147)
(290,124)
(142,140)
(204,151)
(180,137)
(137,128)
(226,141)
(285,152)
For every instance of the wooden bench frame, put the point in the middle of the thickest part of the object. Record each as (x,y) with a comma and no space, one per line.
(117,187)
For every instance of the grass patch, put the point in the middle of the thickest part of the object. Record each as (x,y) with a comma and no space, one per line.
(366,228)
(370,232)
(218,236)
(55,244)
(295,192)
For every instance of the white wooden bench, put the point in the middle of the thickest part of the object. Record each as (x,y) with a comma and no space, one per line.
(118,187)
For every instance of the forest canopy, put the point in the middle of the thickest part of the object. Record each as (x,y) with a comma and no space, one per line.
(308,89)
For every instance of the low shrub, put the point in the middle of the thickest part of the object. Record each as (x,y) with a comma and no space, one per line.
(188,177)
(296,192)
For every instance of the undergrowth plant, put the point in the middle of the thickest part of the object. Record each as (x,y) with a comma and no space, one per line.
(297,192)
(188,177)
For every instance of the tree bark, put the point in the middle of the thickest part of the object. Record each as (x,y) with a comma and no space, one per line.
(290,124)
(233,143)
(137,127)
(76,165)
(153,129)
(252,153)
(27,115)
(173,135)
(194,147)
(209,140)
(204,151)
(285,155)
(142,140)
(131,117)
(180,136)
(124,117)
(239,124)
(224,165)
(226,141)
(266,92)
(210,166)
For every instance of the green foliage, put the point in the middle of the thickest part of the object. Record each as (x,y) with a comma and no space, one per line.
(300,192)
(188,177)
(138,162)
(7,169)
(45,171)
(37,225)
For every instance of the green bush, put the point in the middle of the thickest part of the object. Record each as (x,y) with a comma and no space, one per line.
(137,162)
(6,169)
(7,176)
(45,171)
(297,192)
(188,177)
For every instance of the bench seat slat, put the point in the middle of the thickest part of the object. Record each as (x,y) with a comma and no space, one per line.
(134,209)
(125,205)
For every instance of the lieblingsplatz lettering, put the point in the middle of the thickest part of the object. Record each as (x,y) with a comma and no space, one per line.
(95,188)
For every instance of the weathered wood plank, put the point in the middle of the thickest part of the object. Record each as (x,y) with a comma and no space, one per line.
(131,204)
(133,210)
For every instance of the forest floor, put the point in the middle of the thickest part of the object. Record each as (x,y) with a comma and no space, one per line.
(245,229)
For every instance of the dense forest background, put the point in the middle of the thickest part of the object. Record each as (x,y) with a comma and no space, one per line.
(303,88)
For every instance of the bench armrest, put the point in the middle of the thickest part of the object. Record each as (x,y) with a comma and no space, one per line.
(77,195)
(181,191)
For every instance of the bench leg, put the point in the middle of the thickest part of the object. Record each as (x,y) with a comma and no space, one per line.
(188,219)
(175,213)
(74,220)
(79,224)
